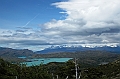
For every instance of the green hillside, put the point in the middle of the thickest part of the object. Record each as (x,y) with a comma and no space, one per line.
(60,70)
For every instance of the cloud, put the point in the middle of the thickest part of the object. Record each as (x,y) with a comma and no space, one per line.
(86,22)
(85,18)
(90,15)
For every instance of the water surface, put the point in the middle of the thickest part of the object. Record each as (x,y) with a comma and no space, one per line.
(31,62)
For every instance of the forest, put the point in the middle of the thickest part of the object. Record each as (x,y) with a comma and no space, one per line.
(56,70)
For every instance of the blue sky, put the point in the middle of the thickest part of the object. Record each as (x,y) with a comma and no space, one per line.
(18,12)
(38,24)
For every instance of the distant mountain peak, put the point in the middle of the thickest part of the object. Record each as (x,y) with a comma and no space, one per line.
(72,48)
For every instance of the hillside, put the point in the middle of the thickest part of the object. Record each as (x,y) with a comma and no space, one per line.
(108,71)
(13,54)
(49,71)
(17,71)
(86,58)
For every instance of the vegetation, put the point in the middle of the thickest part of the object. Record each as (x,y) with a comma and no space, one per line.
(11,71)
(91,65)
(85,58)
(60,70)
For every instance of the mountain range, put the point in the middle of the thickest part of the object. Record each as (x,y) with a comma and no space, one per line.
(62,51)
(64,48)
(55,49)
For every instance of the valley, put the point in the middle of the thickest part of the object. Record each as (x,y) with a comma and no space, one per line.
(92,64)
(86,56)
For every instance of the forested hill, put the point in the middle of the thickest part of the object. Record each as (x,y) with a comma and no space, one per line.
(49,71)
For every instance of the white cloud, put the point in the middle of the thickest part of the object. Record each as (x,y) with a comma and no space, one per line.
(86,22)
(94,12)
(85,18)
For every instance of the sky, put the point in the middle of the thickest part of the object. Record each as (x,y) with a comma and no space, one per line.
(38,24)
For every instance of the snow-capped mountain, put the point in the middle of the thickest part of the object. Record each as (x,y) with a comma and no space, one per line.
(73,48)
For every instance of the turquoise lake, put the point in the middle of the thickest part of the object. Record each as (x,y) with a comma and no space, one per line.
(31,62)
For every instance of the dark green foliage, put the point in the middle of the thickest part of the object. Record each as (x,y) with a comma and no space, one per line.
(67,70)
(48,71)
(11,71)
(108,71)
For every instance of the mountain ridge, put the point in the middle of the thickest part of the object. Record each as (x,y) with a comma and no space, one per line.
(56,49)
(12,55)
(15,52)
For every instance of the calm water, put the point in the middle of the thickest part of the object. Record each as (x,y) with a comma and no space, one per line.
(32,62)
(22,57)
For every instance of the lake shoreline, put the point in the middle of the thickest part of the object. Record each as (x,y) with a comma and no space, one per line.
(38,61)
